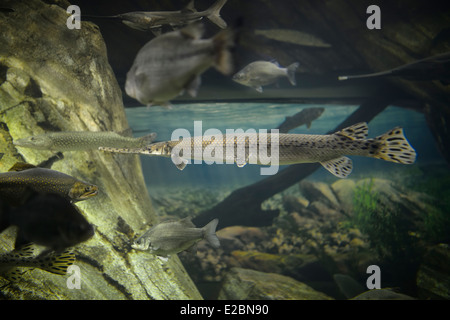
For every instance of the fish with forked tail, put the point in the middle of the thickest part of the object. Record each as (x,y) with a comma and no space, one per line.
(172,63)
(262,73)
(81,140)
(154,20)
(329,150)
(168,238)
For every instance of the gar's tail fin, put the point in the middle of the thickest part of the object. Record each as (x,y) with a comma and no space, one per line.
(394,147)
(210,233)
(214,14)
(291,72)
(223,42)
(57,263)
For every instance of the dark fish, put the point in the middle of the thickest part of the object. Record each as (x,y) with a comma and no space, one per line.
(48,220)
(11,263)
(154,20)
(261,73)
(168,238)
(432,68)
(306,116)
(172,63)
(21,177)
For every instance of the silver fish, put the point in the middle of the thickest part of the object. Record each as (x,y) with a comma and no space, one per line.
(173,62)
(306,116)
(262,73)
(12,262)
(81,140)
(328,150)
(168,238)
(154,20)
(293,36)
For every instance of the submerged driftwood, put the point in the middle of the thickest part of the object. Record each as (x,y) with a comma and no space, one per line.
(57,79)
(243,206)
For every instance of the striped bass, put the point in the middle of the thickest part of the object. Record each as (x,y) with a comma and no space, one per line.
(329,150)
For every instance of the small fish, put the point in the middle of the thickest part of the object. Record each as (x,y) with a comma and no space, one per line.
(382,294)
(262,73)
(82,140)
(12,262)
(47,219)
(173,62)
(15,183)
(306,116)
(329,150)
(293,36)
(168,238)
(154,20)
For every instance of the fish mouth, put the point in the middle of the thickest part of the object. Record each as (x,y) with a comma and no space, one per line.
(92,192)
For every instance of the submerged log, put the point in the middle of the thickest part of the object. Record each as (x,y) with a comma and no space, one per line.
(243,206)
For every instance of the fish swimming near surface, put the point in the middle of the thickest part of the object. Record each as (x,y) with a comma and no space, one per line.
(306,116)
(172,237)
(48,220)
(294,37)
(172,63)
(82,140)
(22,177)
(11,263)
(154,20)
(329,150)
(262,73)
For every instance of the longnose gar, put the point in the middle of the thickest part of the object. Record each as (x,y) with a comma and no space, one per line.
(329,150)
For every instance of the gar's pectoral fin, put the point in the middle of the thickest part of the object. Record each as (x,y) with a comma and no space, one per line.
(340,167)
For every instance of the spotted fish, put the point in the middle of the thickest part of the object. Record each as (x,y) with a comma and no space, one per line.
(329,150)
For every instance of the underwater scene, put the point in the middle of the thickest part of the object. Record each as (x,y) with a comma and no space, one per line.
(224,150)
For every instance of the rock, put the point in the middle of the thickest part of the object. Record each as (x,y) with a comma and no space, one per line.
(319,191)
(295,203)
(433,276)
(56,79)
(246,284)
(343,189)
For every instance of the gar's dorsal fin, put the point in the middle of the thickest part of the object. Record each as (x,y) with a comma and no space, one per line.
(357,131)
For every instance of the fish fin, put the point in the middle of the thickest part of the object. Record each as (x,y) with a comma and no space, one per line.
(192,87)
(340,167)
(20,166)
(133,25)
(179,162)
(223,61)
(214,14)
(57,263)
(187,222)
(210,233)
(394,147)
(147,139)
(14,274)
(357,131)
(193,30)
(259,89)
(290,71)
(189,8)
(308,125)
(126,133)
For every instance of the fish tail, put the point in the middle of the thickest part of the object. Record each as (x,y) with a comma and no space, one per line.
(394,147)
(147,139)
(291,72)
(57,263)
(223,42)
(214,14)
(210,233)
